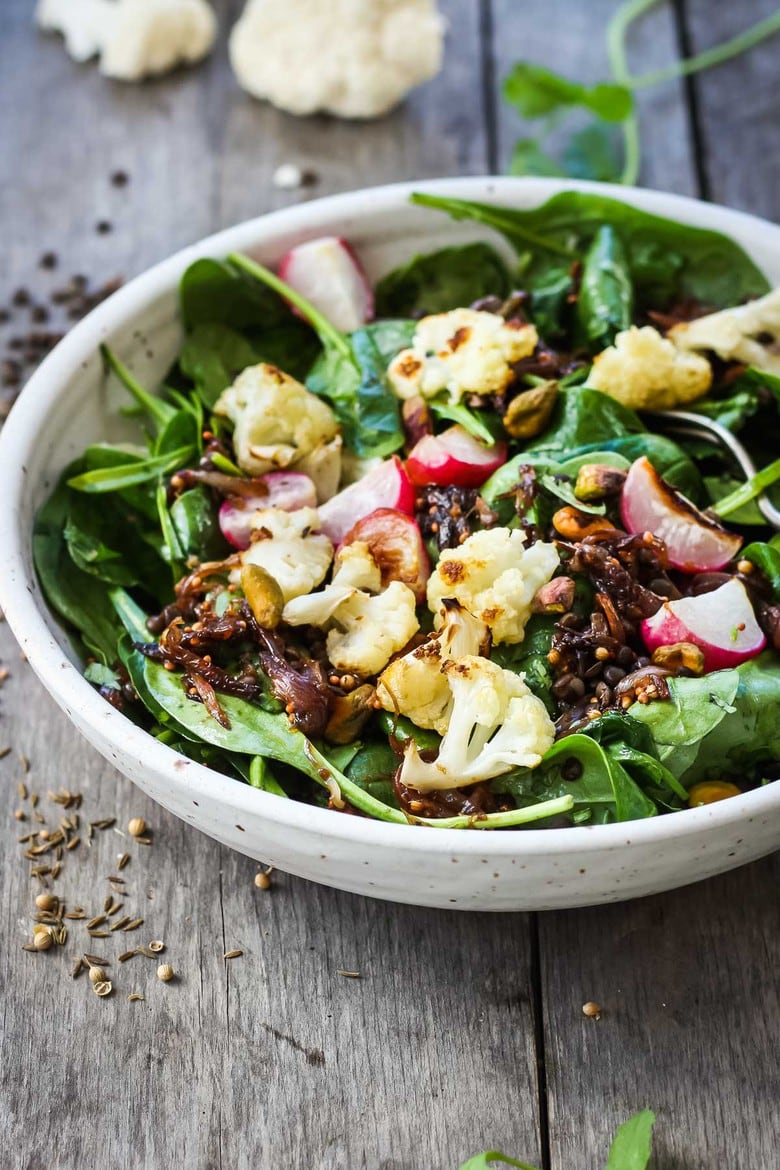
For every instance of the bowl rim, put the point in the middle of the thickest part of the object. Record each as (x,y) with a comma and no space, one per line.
(30,621)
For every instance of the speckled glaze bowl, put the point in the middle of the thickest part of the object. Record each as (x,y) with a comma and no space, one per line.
(67,404)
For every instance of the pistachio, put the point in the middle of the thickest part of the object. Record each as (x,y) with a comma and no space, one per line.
(557,596)
(680,656)
(349,714)
(264,596)
(529,413)
(596,481)
(575,525)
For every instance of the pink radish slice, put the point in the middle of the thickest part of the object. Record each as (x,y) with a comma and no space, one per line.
(454,457)
(387,486)
(693,541)
(722,623)
(328,273)
(397,546)
(288,490)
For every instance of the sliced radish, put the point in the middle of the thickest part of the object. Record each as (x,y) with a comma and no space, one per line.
(397,546)
(386,486)
(288,490)
(693,541)
(454,458)
(721,623)
(328,273)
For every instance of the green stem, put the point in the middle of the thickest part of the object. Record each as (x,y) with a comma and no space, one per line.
(741,43)
(494,218)
(503,820)
(616,48)
(160,411)
(114,479)
(327,333)
(748,490)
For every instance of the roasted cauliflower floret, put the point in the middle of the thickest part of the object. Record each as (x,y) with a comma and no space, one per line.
(416,685)
(747,333)
(277,421)
(645,371)
(461,352)
(495,577)
(289,548)
(496,724)
(365,627)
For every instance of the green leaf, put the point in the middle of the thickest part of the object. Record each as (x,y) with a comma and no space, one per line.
(536,92)
(158,410)
(442,280)
(584,417)
(101,676)
(212,355)
(261,776)
(606,301)
(212,291)
(631,1145)
(591,154)
(528,158)
(194,518)
(476,422)
(482,1161)
(747,491)
(137,470)
(767,558)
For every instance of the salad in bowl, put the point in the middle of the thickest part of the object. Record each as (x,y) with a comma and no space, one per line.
(446,549)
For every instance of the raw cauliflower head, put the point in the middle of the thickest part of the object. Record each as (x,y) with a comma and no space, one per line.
(494,576)
(646,371)
(277,421)
(288,546)
(461,352)
(748,333)
(135,38)
(365,627)
(352,58)
(496,724)
(416,685)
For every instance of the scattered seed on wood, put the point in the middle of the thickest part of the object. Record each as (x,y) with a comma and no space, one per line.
(34,799)
(94,961)
(127,955)
(97,975)
(123,860)
(95,922)
(134,997)
(6,751)
(120,923)
(591,1010)
(78,967)
(156,946)
(47,901)
(73,843)
(134,924)
(98,934)
(21,787)
(25,763)
(42,942)
(350,974)
(165,972)
(263,879)
(232,954)
(137,827)
(103,989)
(60,936)
(112,877)
(78,913)
(20,814)
(29,947)
(115,908)
(106,823)
(55,869)
(143,840)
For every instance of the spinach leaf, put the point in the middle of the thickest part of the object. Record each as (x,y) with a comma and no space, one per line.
(631,1145)
(212,355)
(767,558)
(194,518)
(605,303)
(529,657)
(137,469)
(679,724)
(584,417)
(535,92)
(78,597)
(213,292)
(438,281)
(157,409)
(663,255)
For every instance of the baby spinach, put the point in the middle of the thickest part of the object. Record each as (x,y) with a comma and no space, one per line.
(767,558)
(584,417)
(212,355)
(529,658)
(606,299)
(438,281)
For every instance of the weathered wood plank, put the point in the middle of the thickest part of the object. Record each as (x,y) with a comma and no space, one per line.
(570,39)
(688,987)
(271,1058)
(738,108)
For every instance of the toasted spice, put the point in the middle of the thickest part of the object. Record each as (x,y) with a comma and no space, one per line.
(350,974)
(591,1010)
(127,955)
(156,945)
(123,860)
(121,923)
(134,997)
(97,975)
(232,954)
(165,972)
(137,827)
(94,961)
(96,921)
(263,879)
(103,989)
(134,924)
(78,967)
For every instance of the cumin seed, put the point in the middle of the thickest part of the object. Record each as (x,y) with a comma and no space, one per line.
(350,974)
(98,933)
(113,878)
(121,923)
(136,922)
(21,787)
(25,763)
(115,908)
(232,954)
(123,860)
(94,961)
(34,799)
(73,843)
(6,751)
(98,920)
(127,955)
(78,967)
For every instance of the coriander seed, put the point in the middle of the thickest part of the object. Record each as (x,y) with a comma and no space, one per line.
(47,902)
(43,940)
(165,972)
(591,1010)
(97,975)
(137,827)
(263,880)
(102,989)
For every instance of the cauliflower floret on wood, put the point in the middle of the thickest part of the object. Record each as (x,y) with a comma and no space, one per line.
(496,724)
(747,333)
(277,421)
(465,351)
(135,38)
(288,546)
(416,685)
(347,57)
(365,627)
(646,371)
(495,577)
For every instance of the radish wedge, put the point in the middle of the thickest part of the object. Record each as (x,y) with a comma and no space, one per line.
(721,623)
(328,273)
(288,490)
(386,486)
(396,544)
(454,458)
(694,542)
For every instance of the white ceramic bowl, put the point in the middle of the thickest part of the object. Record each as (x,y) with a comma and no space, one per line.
(66,405)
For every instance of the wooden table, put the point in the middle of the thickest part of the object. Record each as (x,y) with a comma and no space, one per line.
(463,1032)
